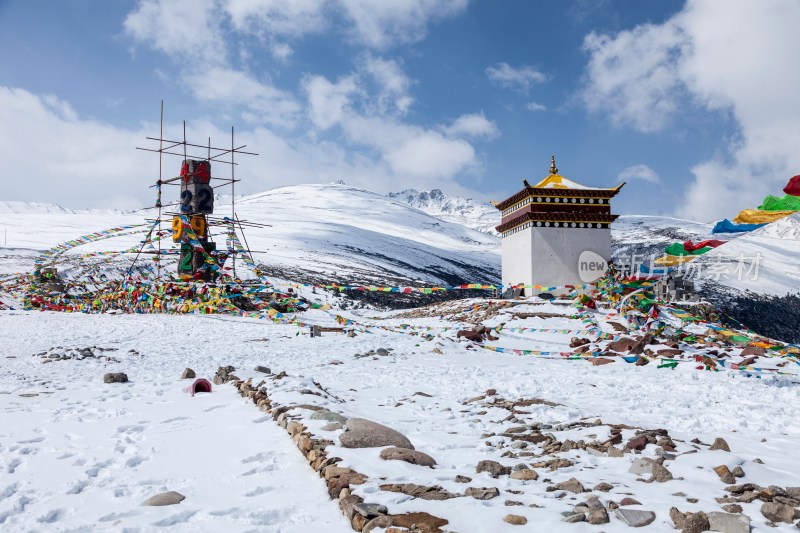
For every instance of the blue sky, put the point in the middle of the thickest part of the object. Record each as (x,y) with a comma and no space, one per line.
(689,101)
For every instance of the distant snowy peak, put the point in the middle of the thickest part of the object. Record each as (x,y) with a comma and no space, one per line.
(474,214)
(25,208)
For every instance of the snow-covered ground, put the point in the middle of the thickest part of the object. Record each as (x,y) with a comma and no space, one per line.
(82,455)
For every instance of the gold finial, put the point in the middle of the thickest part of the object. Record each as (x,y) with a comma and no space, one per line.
(553,169)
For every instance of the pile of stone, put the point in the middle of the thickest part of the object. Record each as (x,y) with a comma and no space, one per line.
(60,353)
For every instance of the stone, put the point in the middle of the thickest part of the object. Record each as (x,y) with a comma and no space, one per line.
(635,517)
(423,522)
(362,433)
(678,518)
(494,468)
(603,487)
(347,503)
(377,522)
(435,493)
(263,369)
(637,443)
(695,523)
(629,501)
(571,485)
(778,512)
(370,510)
(482,493)
(409,456)
(660,474)
(462,479)
(732,508)
(328,416)
(358,522)
(737,471)
(382,351)
(729,523)
(333,426)
(613,451)
(597,516)
(725,475)
(720,444)
(574,518)
(188,374)
(621,345)
(115,377)
(165,498)
(515,519)
(793,492)
(643,465)
(525,474)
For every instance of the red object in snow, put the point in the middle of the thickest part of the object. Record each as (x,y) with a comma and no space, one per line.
(689,247)
(793,187)
(199,385)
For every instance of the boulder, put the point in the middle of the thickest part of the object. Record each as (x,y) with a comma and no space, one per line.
(637,443)
(115,377)
(695,523)
(370,510)
(660,474)
(409,456)
(728,523)
(515,519)
(525,474)
(422,521)
(720,444)
(635,517)
(725,475)
(571,485)
(778,512)
(482,493)
(494,468)
(362,433)
(165,498)
(643,465)
(188,374)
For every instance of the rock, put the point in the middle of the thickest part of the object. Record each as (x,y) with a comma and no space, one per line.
(621,345)
(629,501)
(263,369)
(382,351)
(660,474)
(462,479)
(370,510)
(482,493)
(793,492)
(720,444)
(333,426)
(494,468)
(423,522)
(731,508)
(188,373)
(725,475)
(571,485)
(328,416)
(409,456)
(678,518)
(729,523)
(642,465)
(165,498)
(435,492)
(515,520)
(637,443)
(603,487)
(695,523)
(377,522)
(362,433)
(597,516)
(635,517)
(778,512)
(737,471)
(574,518)
(490,392)
(613,451)
(526,474)
(115,377)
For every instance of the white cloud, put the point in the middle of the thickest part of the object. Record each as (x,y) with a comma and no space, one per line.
(380,23)
(535,106)
(329,103)
(187,30)
(518,79)
(639,172)
(292,18)
(723,56)
(472,125)
(393,84)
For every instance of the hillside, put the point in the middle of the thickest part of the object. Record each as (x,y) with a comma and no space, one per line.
(475,214)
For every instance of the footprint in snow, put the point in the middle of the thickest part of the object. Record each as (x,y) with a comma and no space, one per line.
(31,441)
(51,516)
(258,491)
(78,487)
(215,407)
(178,518)
(135,461)
(12,465)
(117,516)
(176,419)
(259,457)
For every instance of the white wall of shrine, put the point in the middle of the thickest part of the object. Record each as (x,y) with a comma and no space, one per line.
(549,256)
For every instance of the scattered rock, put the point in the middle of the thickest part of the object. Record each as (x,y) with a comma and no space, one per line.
(115,377)
(571,485)
(525,474)
(695,523)
(423,522)
(574,518)
(362,433)
(778,512)
(660,474)
(603,487)
(637,443)
(482,493)
(382,351)
(725,475)
(515,520)
(409,456)
(597,516)
(494,468)
(188,374)
(729,523)
(720,444)
(732,508)
(737,471)
(370,510)
(635,517)
(462,479)
(165,498)
(629,501)
(377,522)
(263,369)
(643,465)
(435,492)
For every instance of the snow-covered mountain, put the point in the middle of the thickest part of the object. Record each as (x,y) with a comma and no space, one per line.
(474,214)
(12,207)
